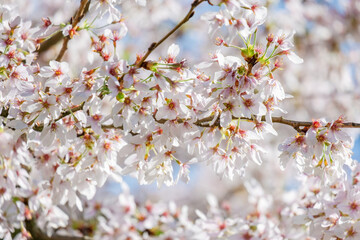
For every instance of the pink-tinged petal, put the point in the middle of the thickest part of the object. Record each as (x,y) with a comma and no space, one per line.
(122,31)
(183,109)
(87,189)
(268,128)
(6,143)
(33,107)
(43,115)
(64,67)
(237,111)
(54,64)
(51,100)
(261,110)
(294,58)
(284,159)
(318,150)
(225,118)
(161,113)
(203,65)
(54,111)
(46,137)
(80,97)
(81,116)
(17,124)
(311,136)
(173,50)
(128,80)
(46,72)
(171,114)
(96,127)
(52,83)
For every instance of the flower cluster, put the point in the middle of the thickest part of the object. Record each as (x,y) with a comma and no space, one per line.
(314,212)
(148,113)
(323,150)
(329,213)
(64,132)
(121,217)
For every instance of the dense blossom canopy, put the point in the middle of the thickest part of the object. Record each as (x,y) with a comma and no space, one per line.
(97,106)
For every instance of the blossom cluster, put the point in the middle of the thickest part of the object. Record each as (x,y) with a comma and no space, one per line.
(333,212)
(121,217)
(65,132)
(145,113)
(312,212)
(322,151)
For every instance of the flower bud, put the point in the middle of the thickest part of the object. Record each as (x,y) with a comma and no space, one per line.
(270,38)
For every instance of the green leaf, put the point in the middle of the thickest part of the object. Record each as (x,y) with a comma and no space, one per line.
(156,231)
(120,97)
(104,90)
(241,70)
(248,52)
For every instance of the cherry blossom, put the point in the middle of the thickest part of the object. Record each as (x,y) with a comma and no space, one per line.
(120,96)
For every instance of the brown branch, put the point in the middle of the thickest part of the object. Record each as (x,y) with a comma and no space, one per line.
(295,124)
(154,45)
(292,123)
(75,20)
(4,112)
(46,45)
(68,112)
(40,127)
(299,126)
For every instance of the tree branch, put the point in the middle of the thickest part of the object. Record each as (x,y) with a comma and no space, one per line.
(46,45)
(202,123)
(39,128)
(299,126)
(75,20)
(293,123)
(182,22)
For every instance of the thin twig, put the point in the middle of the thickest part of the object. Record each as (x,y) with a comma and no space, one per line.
(78,16)
(54,39)
(182,22)
(40,127)
(46,45)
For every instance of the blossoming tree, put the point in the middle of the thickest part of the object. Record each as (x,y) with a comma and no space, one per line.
(84,102)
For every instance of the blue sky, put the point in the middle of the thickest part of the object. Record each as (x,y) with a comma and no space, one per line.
(356,150)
